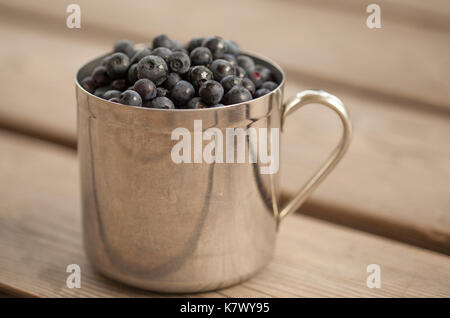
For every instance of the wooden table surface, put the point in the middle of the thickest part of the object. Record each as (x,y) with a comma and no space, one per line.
(387,203)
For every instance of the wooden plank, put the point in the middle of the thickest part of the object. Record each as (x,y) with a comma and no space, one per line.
(399,61)
(40,234)
(396,171)
(433,14)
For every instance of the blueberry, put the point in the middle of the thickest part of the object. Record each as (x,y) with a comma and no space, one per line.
(230,81)
(162,92)
(221,68)
(181,49)
(146,88)
(246,63)
(140,54)
(179,62)
(259,75)
(199,74)
(131,98)
(240,72)
(154,68)
(102,90)
(115,100)
(117,65)
(194,43)
(211,92)
(196,103)
(99,76)
(233,47)
(237,94)
(230,58)
(269,85)
(124,46)
(88,84)
(162,40)
(201,56)
(171,80)
(111,94)
(162,103)
(147,103)
(217,105)
(248,84)
(261,92)
(162,52)
(132,73)
(120,84)
(181,93)
(216,45)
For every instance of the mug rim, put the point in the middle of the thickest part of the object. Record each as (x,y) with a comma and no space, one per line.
(246,53)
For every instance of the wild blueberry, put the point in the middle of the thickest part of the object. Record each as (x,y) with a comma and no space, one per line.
(111,94)
(216,45)
(221,68)
(199,74)
(117,65)
(162,40)
(229,81)
(147,103)
(154,68)
(240,72)
(172,79)
(259,75)
(201,56)
(233,47)
(261,92)
(248,84)
(179,62)
(140,54)
(88,84)
(246,63)
(102,90)
(194,43)
(237,94)
(100,76)
(124,46)
(146,88)
(211,92)
(162,52)
(120,84)
(196,103)
(269,85)
(181,49)
(230,58)
(162,103)
(132,73)
(115,100)
(162,92)
(181,93)
(131,98)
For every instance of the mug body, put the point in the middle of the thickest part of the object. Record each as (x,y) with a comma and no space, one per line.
(156,224)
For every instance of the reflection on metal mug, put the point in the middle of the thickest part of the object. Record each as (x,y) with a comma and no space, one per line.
(185,226)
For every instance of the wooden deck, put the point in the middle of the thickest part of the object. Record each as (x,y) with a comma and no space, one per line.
(388,202)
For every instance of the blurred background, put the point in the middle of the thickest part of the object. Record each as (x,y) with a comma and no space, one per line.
(395,179)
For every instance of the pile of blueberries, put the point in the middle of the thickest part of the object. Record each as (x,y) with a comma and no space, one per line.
(204,73)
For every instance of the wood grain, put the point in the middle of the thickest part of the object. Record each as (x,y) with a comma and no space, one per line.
(40,235)
(328,42)
(396,172)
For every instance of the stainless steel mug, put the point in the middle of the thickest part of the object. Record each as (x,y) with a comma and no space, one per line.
(183,227)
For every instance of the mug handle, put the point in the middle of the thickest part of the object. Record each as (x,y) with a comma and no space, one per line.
(331,101)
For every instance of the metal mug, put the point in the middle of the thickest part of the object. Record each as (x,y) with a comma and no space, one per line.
(186,227)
